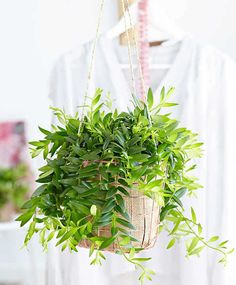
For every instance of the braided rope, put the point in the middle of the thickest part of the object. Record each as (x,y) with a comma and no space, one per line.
(142,63)
(129,50)
(93,54)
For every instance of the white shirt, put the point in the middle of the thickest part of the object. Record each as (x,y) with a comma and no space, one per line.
(204,80)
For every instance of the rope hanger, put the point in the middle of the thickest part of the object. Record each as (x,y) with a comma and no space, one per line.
(141,66)
(93,53)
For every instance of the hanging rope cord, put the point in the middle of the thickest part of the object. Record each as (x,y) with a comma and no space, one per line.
(125,6)
(93,55)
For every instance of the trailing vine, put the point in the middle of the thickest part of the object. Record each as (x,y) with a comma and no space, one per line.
(92,163)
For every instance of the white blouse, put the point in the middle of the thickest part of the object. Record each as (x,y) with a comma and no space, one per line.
(204,79)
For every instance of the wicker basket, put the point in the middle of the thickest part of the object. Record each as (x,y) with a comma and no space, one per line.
(145,216)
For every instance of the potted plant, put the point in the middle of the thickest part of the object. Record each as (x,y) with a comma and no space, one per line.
(13,190)
(113,180)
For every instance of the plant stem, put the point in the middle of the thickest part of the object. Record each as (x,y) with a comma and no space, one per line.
(130,260)
(186,220)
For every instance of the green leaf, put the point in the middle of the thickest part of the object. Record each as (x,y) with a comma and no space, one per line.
(45,132)
(30,204)
(91,250)
(170,92)
(193,244)
(111,192)
(177,200)
(222,244)
(93,210)
(181,192)
(24,218)
(197,250)
(107,118)
(64,247)
(222,260)
(96,117)
(140,157)
(120,202)
(214,238)
(50,236)
(133,141)
(162,96)
(61,232)
(79,207)
(88,174)
(73,125)
(88,169)
(125,241)
(84,192)
(97,97)
(35,152)
(39,144)
(138,172)
(89,227)
(191,146)
(39,191)
(150,98)
(107,242)
(171,243)
(177,223)
(109,206)
(141,259)
(31,231)
(45,152)
(125,223)
(67,235)
(98,108)
(165,210)
(199,229)
(169,104)
(69,181)
(150,271)
(123,212)
(194,218)
(231,251)
(91,156)
(46,174)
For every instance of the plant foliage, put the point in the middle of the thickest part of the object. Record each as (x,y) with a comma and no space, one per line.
(13,186)
(93,162)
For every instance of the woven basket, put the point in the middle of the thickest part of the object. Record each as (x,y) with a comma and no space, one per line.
(145,216)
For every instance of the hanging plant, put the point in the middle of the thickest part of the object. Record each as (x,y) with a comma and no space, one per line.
(112,181)
(13,190)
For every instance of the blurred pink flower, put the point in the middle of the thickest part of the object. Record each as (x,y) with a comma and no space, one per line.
(12,143)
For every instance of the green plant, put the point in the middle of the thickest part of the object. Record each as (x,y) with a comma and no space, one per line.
(13,187)
(93,161)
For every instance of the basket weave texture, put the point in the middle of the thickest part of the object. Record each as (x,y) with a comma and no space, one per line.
(144,215)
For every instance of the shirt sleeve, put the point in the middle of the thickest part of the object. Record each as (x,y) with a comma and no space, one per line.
(57,84)
(65,79)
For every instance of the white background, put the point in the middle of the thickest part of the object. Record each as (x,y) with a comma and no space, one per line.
(33,33)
